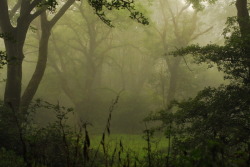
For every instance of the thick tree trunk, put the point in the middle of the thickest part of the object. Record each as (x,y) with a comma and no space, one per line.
(14,43)
(244,23)
(243,17)
(14,75)
(173,70)
(90,76)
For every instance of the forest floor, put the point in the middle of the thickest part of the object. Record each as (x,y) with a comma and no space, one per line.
(131,143)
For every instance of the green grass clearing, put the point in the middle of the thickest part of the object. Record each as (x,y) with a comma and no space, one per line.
(131,143)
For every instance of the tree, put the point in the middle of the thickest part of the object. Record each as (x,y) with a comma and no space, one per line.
(212,129)
(14,36)
(14,39)
(89,45)
(90,49)
(46,27)
(176,25)
(233,57)
(185,26)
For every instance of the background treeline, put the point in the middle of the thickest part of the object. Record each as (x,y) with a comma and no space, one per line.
(88,62)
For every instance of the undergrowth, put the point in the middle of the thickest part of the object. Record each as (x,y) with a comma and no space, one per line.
(25,143)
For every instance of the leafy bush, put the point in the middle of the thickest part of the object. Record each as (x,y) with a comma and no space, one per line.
(212,128)
(10,159)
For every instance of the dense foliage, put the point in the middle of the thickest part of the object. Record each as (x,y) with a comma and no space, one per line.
(2,59)
(213,129)
(231,58)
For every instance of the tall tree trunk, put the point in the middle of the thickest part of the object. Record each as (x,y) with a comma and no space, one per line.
(14,43)
(14,75)
(173,70)
(243,17)
(35,81)
(244,23)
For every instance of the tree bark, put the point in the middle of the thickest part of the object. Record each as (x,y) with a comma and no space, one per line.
(243,17)
(14,75)
(244,24)
(173,70)
(14,43)
(33,84)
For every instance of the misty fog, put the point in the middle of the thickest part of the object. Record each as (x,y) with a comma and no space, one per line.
(89,63)
(92,58)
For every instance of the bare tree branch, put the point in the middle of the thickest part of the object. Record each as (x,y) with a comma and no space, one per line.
(61,12)
(199,34)
(14,9)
